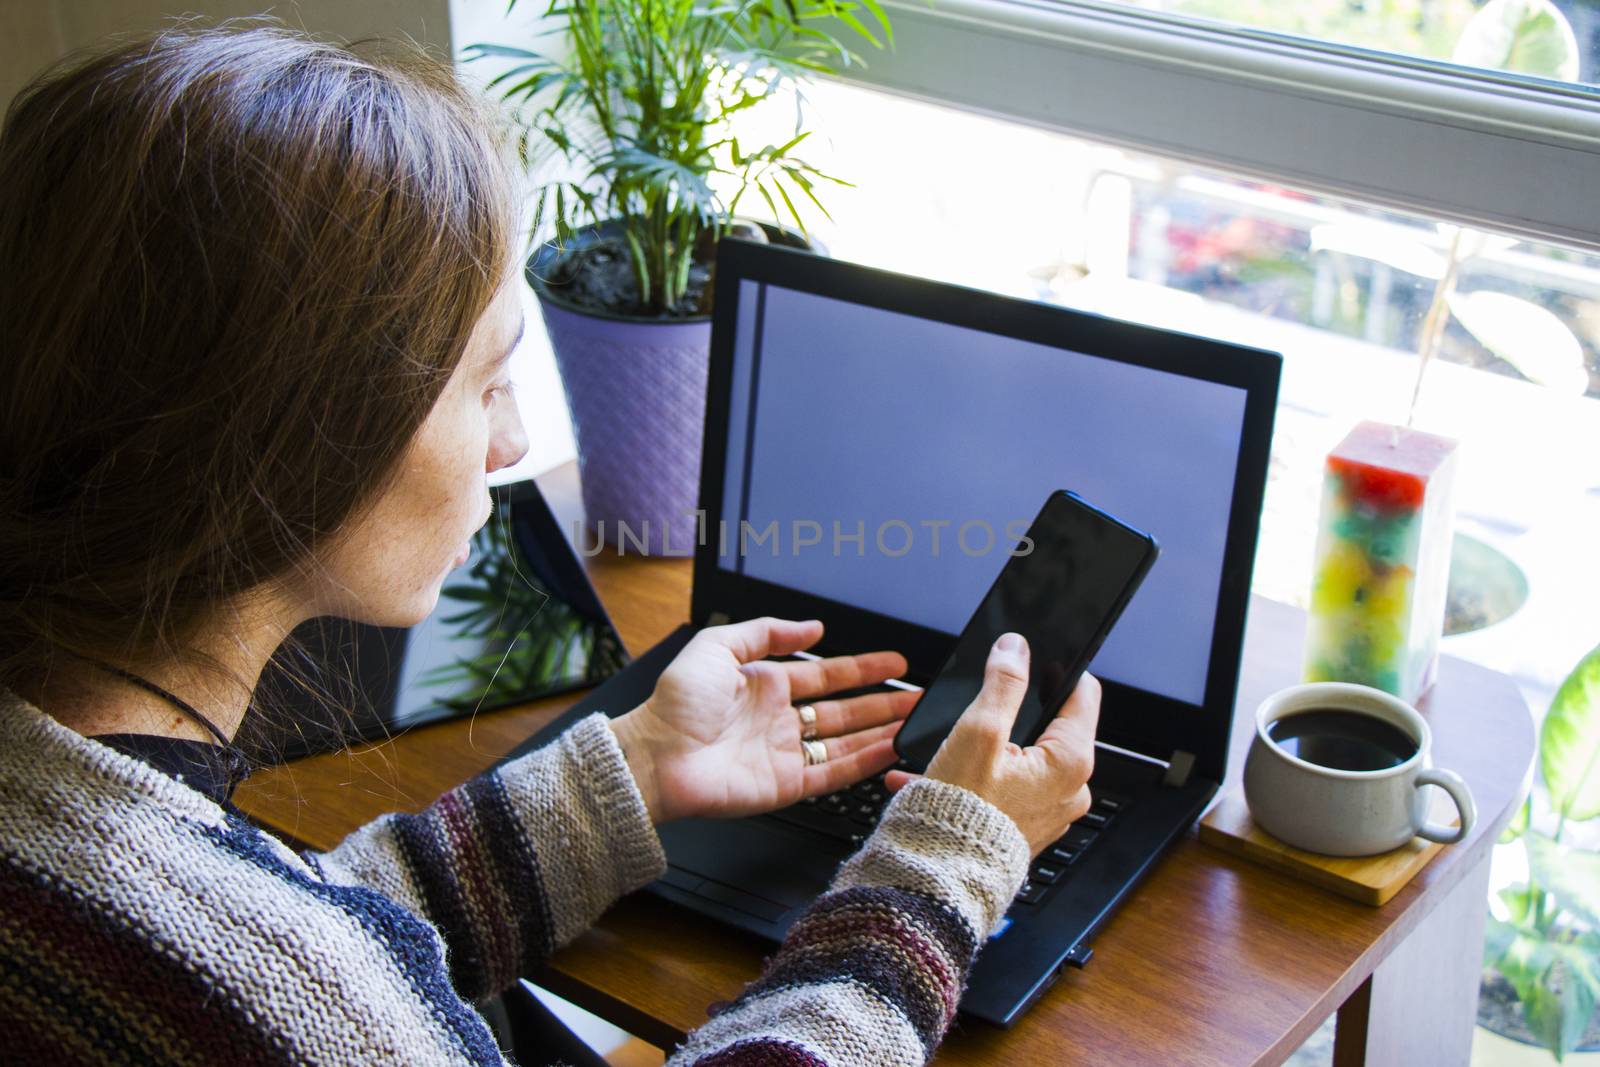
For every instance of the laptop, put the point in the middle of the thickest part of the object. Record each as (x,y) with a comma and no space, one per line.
(872,442)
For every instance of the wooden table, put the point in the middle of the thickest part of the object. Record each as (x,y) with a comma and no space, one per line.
(1212,961)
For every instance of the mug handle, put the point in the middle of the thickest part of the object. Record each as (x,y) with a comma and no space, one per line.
(1451,783)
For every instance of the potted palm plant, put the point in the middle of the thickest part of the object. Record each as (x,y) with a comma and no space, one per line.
(629,136)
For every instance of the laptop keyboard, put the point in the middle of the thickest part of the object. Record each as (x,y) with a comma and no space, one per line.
(849,815)
(1054,864)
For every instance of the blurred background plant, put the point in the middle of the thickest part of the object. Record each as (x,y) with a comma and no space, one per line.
(632,122)
(1544,934)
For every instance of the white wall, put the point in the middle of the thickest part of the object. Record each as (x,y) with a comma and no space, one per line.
(533,368)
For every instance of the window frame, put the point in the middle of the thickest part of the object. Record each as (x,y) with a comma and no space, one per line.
(1482,148)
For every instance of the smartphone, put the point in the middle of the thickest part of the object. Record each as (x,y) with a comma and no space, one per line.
(1063,589)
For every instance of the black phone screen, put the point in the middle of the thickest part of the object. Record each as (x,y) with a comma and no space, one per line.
(1064,586)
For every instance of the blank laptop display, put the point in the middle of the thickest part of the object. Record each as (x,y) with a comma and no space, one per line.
(913,452)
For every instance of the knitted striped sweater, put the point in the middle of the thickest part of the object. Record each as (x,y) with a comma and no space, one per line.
(142,923)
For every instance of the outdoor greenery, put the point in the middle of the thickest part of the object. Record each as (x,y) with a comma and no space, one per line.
(632,116)
(1548,945)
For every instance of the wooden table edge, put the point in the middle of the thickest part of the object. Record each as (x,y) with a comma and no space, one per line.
(624,577)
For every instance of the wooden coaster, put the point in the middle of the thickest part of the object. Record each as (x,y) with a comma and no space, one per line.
(1367,879)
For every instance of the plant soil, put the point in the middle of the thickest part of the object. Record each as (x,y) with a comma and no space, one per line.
(599,278)
(1499,1011)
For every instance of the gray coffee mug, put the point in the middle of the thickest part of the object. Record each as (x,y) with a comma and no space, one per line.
(1340,812)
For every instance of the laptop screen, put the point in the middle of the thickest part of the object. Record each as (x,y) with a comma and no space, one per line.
(892,462)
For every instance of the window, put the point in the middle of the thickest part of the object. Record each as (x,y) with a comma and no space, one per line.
(1555,39)
(1342,289)
(1499,151)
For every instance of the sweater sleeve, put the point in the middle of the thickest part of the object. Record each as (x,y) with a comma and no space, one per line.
(516,862)
(871,973)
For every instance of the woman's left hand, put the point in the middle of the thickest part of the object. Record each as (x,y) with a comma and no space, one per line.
(720,735)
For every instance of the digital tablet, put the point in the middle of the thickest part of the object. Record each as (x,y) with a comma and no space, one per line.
(518,622)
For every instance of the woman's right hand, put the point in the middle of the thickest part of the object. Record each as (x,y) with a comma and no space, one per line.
(1044,787)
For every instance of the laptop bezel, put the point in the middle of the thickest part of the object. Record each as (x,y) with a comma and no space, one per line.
(1131,718)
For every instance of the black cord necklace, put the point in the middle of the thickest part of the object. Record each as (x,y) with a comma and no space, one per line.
(236,765)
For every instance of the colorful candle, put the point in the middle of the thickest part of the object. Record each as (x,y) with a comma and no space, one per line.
(1383,560)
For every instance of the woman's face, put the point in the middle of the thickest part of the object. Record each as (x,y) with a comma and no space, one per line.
(388,568)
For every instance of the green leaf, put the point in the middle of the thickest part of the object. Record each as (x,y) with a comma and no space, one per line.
(1519,822)
(471,592)
(540,206)
(680,271)
(505,51)
(1557,984)
(831,43)
(662,174)
(779,153)
(762,189)
(1531,338)
(798,221)
(1570,875)
(1579,990)
(1527,964)
(799,178)
(1520,901)
(1497,940)
(558,135)
(1569,743)
(458,618)
(641,265)
(1526,36)
(883,19)
(849,19)
(516,71)
(530,87)
(1582,960)
(1543,1011)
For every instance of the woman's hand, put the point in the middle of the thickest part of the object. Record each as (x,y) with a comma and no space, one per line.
(1044,787)
(720,735)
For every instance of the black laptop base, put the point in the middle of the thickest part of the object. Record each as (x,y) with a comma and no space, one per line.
(1024,961)
(764,871)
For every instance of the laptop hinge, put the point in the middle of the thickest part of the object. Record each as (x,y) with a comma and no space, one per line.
(717,618)
(1178,770)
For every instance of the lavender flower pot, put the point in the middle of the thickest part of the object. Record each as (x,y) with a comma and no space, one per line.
(636,389)
(637,393)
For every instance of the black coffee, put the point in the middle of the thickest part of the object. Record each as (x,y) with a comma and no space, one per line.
(1343,740)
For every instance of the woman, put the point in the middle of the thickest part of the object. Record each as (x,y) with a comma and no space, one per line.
(258,295)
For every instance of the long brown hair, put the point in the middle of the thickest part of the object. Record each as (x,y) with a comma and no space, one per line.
(237,266)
